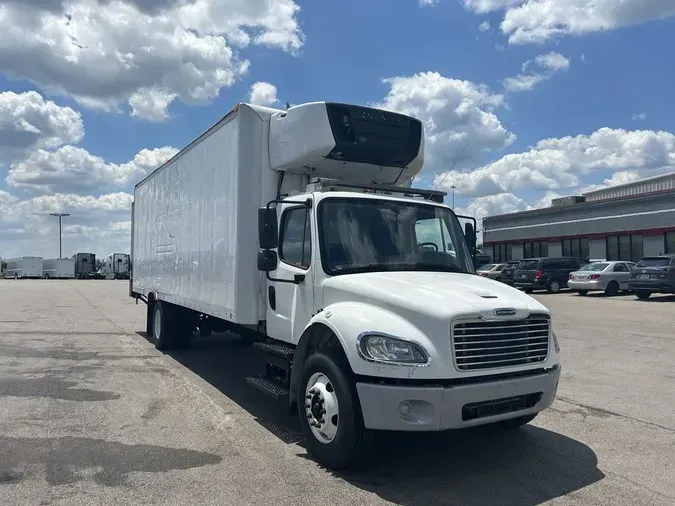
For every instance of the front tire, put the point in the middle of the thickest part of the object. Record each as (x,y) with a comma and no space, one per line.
(329,412)
(643,295)
(612,289)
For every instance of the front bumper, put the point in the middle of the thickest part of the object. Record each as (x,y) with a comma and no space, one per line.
(585,285)
(404,408)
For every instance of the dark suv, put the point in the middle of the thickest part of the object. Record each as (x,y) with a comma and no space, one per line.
(653,275)
(550,273)
(507,272)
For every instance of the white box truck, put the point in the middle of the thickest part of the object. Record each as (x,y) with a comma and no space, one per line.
(299,230)
(116,266)
(24,267)
(58,268)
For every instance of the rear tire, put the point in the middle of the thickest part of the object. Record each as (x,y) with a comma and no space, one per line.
(514,423)
(528,290)
(553,286)
(582,292)
(643,295)
(346,439)
(163,325)
(612,289)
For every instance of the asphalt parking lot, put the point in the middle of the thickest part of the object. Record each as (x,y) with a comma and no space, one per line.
(91,413)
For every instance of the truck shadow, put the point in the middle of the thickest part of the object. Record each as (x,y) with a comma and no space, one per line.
(479,466)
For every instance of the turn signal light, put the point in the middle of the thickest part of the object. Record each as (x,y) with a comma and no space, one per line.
(571,276)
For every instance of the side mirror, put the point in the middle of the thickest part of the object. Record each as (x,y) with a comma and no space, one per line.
(470,237)
(267,260)
(268,234)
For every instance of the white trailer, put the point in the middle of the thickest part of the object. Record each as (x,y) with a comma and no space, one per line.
(58,268)
(360,290)
(24,267)
(116,266)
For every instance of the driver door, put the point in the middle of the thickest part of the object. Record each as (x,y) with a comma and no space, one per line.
(290,306)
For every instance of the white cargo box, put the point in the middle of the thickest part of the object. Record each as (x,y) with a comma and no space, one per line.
(58,268)
(24,267)
(195,235)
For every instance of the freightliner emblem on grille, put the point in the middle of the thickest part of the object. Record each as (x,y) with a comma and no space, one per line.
(504,311)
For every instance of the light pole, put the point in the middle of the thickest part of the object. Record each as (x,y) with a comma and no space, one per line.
(59,216)
(453,188)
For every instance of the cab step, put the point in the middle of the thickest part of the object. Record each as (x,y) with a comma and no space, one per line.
(268,387)
(279,350)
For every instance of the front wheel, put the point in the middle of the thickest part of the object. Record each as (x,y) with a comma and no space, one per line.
(329,411)
(643,295)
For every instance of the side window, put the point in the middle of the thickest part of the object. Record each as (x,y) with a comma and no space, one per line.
(295,245)
(550,265)
(433,231)
(620,268)
(570,264)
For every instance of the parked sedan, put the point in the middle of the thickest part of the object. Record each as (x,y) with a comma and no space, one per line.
(608,277)
(492,271)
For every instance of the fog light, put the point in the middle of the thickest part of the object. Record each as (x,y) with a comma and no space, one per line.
(405,408)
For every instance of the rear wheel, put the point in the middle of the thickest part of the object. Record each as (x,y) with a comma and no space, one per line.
(553,286)
(582,292)
(171,326)
(612,289)
(329,411)
(528,290)
(643,295)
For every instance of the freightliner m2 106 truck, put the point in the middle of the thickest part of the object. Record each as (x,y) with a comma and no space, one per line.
(299,230)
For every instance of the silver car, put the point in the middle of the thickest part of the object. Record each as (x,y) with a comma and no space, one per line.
(609,277)
(492,271)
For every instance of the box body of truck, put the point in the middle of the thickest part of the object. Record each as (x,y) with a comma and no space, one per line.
(58,268)
(24,267)
(195,229)
(85,265)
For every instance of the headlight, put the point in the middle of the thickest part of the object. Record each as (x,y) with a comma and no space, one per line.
(555,342)
(382,348)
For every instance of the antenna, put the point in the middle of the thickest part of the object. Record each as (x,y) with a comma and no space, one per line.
(453,166)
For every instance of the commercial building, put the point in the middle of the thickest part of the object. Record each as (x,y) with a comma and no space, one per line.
(624,222)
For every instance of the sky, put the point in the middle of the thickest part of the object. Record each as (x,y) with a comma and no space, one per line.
(541,98)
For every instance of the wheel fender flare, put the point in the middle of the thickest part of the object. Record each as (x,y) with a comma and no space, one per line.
(346,320)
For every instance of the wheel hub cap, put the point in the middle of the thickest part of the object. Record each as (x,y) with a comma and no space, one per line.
(321,408)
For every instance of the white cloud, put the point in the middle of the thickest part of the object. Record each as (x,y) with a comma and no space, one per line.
(29,122)
(484,26)
(545,67)
(263,93)
(537,21)
(72,169)
(641,116)
(96,224)
(560,163)
(428,3)
(455,114)
(108,53)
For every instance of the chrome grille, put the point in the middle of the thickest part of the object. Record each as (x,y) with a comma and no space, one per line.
(484,344)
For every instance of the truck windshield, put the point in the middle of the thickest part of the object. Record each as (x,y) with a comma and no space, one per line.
(371,235)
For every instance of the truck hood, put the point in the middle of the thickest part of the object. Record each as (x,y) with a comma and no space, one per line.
(442,295)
